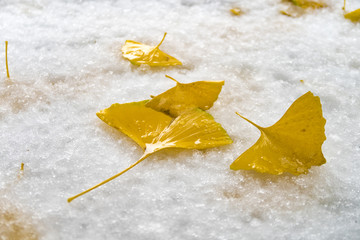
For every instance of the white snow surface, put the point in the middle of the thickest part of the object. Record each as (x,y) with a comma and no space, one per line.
(65,65)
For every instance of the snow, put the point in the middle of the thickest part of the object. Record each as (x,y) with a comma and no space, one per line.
(65,65)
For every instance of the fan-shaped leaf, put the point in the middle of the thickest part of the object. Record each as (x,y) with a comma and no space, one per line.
(308,4)
(185,96)
(293,144)
(140,123)
(193,129)
(138,53)
(353,16)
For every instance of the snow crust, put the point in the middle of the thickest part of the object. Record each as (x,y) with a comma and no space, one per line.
(65,65)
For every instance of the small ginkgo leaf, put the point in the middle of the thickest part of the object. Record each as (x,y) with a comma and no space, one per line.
(293,144)
(185,96)
(236,11)
(353,16)
(283,12)
(297,8)
(308,4)
(140,123)
(194,129)
(138,53)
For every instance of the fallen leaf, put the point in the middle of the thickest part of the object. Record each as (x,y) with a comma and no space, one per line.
(353,16)
(307,4)
(236,11)
(297,8)
(138,53)
(194,129)
(140,123)
(185,96)
(293,144)
(286,13)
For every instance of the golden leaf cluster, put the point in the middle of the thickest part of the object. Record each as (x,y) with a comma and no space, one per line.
(177,118)
(173,119)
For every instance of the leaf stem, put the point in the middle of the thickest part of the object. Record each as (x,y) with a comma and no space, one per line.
(145,155)
(172,79)
(250,121)
(6,59)
(21,173)
(344,5)
(161,40)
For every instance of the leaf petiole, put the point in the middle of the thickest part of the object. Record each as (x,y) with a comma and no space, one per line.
(172,79)
(162,40)
(6,59)
(250,121)
(111,178)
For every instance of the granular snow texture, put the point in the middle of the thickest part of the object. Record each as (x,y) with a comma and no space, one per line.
(65,65)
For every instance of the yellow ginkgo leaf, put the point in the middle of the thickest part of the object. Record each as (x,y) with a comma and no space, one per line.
(185,96)
(308,4)
(138,53)
(293,144)
(298,8)
(140,123)
(194,129)
(353,16)
(236,11)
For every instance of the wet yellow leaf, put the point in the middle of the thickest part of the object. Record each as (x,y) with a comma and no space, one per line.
(140,123)
(286,13)
(297,8)
(293,144)
(138,53)
(308,4)
(236,11)
(353,16)
(194,129)
(185,96)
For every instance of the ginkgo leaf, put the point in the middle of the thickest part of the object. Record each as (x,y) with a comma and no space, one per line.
(138,53)
(293,144)
(353,16)
(297,8)
(194,129)
(185,96)
(236,11)
(140,123)
(308,4)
